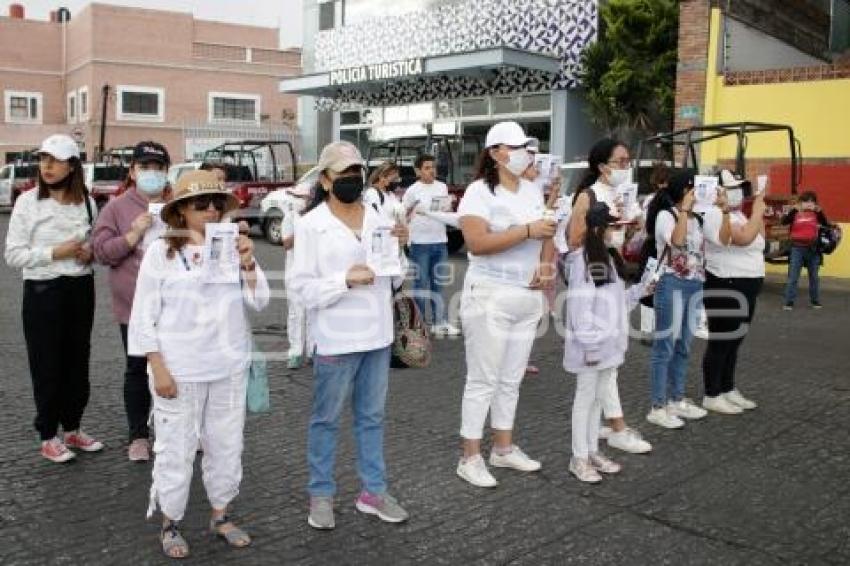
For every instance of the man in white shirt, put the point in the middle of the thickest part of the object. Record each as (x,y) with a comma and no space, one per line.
(428,249)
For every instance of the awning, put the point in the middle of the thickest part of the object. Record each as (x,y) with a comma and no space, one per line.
(370,78)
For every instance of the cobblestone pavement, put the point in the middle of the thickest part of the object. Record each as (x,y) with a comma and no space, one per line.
(768,487)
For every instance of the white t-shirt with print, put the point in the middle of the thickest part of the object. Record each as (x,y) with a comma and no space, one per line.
(727,261)
(425,230)
(687,262)
(503,209)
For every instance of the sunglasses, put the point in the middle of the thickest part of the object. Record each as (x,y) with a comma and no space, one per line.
(202,202)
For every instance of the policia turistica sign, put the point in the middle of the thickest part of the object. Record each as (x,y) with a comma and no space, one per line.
(377,72)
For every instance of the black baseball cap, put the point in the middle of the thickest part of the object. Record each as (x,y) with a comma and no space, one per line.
(148,151)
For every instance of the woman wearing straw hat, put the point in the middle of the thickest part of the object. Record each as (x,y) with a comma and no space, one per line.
(48,240)
(195,335)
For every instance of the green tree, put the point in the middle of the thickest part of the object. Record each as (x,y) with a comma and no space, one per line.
(630,73)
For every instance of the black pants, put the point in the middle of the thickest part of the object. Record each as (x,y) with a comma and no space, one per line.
(721,356)
(137,396)
(58,316)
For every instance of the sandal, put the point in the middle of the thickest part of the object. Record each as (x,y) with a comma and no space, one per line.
(235,537)
(173,541)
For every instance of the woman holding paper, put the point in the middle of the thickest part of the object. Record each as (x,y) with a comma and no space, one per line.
(510,262)
(126,225)
(733,280)
(189,322)
(380,195)
(341,246)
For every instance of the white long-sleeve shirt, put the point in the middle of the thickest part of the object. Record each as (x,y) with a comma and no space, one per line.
(199,328)
(343,320)
(39,225)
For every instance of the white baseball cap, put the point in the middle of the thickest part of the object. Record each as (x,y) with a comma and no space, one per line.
(507,133)
(60,146)
(729,179)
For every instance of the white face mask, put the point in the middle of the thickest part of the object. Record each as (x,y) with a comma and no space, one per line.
(518,161)
(735,197)
(618,177)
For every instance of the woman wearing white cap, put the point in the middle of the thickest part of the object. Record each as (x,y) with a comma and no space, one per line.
(510,256)
(734,274)
(190,323)
(48,239)
(350,316)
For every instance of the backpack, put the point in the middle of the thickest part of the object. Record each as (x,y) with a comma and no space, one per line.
(828,238)
(804,228)
(412,344)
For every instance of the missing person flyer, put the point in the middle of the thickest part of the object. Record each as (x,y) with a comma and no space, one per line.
(548,168)
(221,259)
(383,253)
(627,193)
(705,192)
(157,228)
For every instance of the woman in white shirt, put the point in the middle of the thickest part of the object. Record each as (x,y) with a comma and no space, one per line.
(297,331)
(48,239)
(680,249)
(350,316)
(510,257)
(380,195)
(734,271)
(189,320)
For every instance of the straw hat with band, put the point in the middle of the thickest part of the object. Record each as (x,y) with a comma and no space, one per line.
(195,184)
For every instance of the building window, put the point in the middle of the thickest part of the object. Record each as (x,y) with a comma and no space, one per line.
(83,101)
(327,13)
(505,105)
(72,107)
(474,107)
(229,107)
(138,103)
(536,102)
(22,107)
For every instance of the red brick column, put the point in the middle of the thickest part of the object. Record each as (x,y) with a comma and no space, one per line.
(694,21)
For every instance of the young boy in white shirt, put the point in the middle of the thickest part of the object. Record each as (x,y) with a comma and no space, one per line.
(428,242)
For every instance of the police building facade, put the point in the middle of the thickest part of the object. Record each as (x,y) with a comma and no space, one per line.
(381,69)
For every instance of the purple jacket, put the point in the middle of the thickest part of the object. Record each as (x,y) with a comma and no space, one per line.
(597,326)
(111,249)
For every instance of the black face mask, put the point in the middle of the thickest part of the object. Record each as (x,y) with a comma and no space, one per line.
(393,185)
(348,189)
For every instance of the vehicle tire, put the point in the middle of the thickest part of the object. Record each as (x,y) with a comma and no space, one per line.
(455,243)
(273,226)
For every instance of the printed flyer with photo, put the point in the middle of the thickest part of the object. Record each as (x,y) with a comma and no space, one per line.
(221,259)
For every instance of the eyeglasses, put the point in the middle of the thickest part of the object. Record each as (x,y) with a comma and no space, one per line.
(623,162)
(202,202)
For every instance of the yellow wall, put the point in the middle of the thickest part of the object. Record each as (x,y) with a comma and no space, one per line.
(819,112)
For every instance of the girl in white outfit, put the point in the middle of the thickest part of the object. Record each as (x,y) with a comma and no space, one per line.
(510,259)
(597,335)
(192,328)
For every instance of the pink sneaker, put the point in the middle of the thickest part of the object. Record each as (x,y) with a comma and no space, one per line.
(139,450)
(81,440)
(55,451)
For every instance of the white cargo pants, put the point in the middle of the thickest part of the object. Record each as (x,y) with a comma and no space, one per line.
(212,413)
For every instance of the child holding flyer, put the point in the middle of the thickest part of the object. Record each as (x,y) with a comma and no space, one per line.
(597,336)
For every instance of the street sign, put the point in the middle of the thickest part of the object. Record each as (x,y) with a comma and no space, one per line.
(689,112)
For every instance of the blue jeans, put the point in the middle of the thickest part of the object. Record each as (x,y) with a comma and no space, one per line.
(427,285)
(676,317)
(362,377)
(801,256)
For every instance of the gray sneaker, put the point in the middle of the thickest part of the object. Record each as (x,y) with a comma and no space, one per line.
(321,513)
(384,506)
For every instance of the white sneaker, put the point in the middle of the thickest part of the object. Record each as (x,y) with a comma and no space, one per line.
(605,432)
(437,330)
(686,409)
(603,464)
(663,418)
(584,470)
(450,330)
(736,398)
(629,440)
(515,459)
(720,405)
(475,471)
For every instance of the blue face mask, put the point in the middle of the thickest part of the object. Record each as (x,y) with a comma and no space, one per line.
(151,182)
